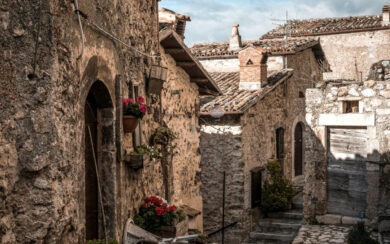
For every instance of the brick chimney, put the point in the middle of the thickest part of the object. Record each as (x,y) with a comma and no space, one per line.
(235,39)
(253,68)
(386,15)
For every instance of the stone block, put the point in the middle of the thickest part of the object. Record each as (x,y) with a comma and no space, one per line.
(345,220)
(385,94)
(329,219)
(368,92)
(353,92)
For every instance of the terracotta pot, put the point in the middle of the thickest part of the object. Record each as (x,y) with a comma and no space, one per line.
(130,123)
(137,161)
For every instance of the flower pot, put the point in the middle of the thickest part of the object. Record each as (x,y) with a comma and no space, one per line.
(179,229)
(130,123)
(136,161)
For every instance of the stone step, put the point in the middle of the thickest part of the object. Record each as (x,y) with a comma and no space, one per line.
(290,214)
(266,242)
(275,236)
(279,225)
(297,205)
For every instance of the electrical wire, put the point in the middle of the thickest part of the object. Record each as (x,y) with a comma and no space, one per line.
(91,23)
(77,11)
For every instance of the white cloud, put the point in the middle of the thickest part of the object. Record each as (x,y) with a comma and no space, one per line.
(212,19)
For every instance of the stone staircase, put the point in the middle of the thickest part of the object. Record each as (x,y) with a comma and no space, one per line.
(279,227)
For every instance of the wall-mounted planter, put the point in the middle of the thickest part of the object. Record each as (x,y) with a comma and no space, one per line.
(158,75)
(130,123)
(136,161)
(179,229)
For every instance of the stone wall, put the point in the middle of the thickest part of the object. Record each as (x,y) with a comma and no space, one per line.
(180,103)
(351,55)
(254,146)
(42,134)
(324,108)
(221,150)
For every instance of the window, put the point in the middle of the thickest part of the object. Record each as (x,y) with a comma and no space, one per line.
(301,95)
(280,146)
(285,89)
(350,107)
(249,62)
(256,188)
(280,143)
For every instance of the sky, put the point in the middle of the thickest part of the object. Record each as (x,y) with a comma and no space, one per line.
(212,20)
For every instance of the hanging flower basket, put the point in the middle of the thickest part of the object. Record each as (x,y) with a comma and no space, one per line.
(130,123)
(132,112)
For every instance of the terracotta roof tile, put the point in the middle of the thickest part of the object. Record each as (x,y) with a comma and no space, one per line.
(235,100)
(313,27)
(275,46)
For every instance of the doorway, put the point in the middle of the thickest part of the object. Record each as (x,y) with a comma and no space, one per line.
(99,176)
(298,149)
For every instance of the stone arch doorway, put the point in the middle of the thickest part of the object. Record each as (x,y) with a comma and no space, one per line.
(99,163)
(298,149)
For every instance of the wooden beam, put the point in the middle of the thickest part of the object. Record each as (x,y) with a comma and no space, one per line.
(174,50)
(199,80)
(205,90)
(186,64)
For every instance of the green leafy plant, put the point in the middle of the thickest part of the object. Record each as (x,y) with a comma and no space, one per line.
(102,241)
(155,212)
(359,235)
(153,152)
(162,136)
(277,191)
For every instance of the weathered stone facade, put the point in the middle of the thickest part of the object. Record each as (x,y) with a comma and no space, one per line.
(350,55)
(325,110)
(44,132)
(248,142)
(180,102)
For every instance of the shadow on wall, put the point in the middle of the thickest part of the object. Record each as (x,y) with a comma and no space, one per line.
(344,179)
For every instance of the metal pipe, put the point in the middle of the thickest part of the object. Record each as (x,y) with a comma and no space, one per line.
(76,6)
(223,207)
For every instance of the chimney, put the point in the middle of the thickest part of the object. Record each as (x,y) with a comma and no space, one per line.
(235,39)
(253,68)
(386,15)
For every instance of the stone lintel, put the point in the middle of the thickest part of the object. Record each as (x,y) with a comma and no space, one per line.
(347,119)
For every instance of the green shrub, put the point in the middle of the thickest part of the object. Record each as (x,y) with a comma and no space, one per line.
(102,241)
(277,191)
(359,235)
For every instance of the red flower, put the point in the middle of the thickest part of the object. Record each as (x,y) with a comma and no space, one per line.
(172,208)
(143,109)
(126,102)
(140,99)
(131,100)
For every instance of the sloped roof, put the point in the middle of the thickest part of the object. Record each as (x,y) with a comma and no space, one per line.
(234,100)
(327,26)
(174,46)
(274,46)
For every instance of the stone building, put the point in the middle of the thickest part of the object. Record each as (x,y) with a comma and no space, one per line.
(60,99)
(351,44)
(347,141)
(264,117)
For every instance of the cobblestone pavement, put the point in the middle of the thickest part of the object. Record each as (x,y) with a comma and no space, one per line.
(321,234)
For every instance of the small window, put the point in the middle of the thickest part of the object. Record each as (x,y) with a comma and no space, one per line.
(249,62)
(285,89)
(255,188)
(280,143)
(301,95)
(350,107)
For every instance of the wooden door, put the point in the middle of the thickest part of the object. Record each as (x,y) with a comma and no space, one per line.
(298,149)
(347,186)
(91,186)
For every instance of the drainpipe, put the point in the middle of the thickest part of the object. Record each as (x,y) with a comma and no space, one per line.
(77,11)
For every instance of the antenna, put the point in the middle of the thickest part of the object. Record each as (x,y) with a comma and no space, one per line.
(287,33)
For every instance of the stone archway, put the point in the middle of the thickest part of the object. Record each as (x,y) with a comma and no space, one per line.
(99,151)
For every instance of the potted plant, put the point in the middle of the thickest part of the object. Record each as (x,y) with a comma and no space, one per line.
(132,112)
(141,154)
(156,216)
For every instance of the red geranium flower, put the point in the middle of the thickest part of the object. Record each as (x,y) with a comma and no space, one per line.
(143,109)
(140,99)
(131,100)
